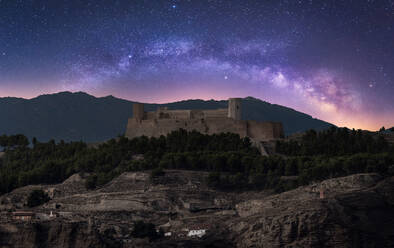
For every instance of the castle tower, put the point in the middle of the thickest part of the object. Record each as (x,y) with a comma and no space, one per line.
(234,108)
(138,111)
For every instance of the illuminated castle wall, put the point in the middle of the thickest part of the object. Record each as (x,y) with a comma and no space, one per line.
(163,121)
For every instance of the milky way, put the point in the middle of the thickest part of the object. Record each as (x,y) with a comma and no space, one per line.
(330,59)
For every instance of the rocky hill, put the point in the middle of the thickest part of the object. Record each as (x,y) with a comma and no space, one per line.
(79,116)
(353,211)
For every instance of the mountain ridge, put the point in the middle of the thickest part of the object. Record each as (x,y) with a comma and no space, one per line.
(73,116)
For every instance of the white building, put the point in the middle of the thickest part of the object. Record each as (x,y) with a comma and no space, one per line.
(199,233)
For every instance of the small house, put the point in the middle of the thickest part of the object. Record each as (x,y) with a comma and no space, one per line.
(23,215)
(197,233)
(198,230)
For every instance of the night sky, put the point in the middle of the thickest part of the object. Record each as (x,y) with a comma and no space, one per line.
(333,60)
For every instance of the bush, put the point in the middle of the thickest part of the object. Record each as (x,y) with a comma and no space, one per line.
(391,170)
(144,230)
(157,172)
(37,197)
(91,182)
(213,179)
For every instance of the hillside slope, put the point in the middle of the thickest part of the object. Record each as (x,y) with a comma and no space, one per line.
(80,116)
(356,211)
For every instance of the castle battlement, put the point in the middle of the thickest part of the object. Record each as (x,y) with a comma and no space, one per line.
(233,112)
(163,121)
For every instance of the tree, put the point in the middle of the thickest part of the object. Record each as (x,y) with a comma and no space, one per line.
(213,179)
(91,182)
(382,129)
(34,141)
(291,168)
(37,197)
(257,179)
(157,172)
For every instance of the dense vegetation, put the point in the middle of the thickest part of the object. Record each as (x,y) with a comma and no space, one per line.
(334,142)
(232,161)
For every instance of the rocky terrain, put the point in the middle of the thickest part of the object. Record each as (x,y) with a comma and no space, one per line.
(353,211)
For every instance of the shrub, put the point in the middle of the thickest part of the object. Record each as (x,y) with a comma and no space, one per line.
(157,172)
(37,197)
(91,182)
(144,230)
(213,179)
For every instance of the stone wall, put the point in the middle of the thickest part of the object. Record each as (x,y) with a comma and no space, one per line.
(224,125)
(173,114)
(216,113)
(186,114)
(155,127)
(264,130)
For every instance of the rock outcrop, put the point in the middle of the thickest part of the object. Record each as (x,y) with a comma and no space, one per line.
(356,211)
(50,234)
(353,211)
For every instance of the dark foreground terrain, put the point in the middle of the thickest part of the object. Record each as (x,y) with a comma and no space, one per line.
(352,211)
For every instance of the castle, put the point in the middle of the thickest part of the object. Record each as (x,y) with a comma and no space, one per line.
(163,121)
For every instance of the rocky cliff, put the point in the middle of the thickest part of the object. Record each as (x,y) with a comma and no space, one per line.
(354,211)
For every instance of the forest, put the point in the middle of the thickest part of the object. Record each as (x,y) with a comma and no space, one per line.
(232,162)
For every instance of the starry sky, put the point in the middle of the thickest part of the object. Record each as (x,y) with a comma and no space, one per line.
(331,59)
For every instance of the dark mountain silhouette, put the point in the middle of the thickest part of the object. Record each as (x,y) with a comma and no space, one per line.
(80,116)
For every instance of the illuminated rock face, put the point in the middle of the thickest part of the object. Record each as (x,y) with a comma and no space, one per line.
(163,121)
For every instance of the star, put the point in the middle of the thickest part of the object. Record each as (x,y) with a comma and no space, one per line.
(130,46)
